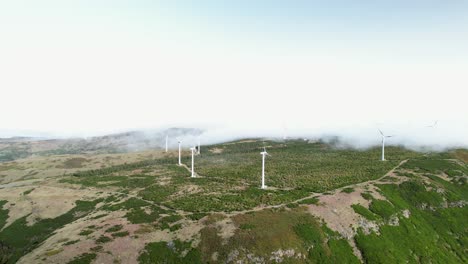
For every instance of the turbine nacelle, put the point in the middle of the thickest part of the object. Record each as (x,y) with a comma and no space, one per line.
(264,152)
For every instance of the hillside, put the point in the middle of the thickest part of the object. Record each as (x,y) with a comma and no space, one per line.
(23,147)
(323,204)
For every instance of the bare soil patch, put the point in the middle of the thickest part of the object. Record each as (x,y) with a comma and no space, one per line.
(216,150)
(337,212)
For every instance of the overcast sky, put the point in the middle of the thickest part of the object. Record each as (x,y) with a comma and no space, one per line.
(92,67)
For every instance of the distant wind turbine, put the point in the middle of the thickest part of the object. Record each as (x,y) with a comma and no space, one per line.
(263,153)
(180,142)
(193,153)
(383,144)
(198,150)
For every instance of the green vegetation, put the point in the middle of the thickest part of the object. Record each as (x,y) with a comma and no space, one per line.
(96,248)
(114,228)
(313,200)
(53,252)
(130,182)
(378,209)
(28,191)
(348,190)
(163,252)
(120,234)
(236,200)
(367,196)
(22,238)
(137,210)
(246,226)
(437,235)
(267,231)
(73,163)
(103,239)
(296,169)
(196,216)
(382,208)
(157,193)
(359,209)
(324,250)
(98,216)
(71,242)
(86,232)
(3,214)
(17,151)
(434,166)
(422,220)
(316,167)
(139,216)
(125,205)
(83,259)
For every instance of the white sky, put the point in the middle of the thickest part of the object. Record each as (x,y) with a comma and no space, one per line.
(74,71)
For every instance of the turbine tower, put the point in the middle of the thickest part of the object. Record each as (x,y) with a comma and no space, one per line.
(193,154)
(180,163)
(263,153)
(383,144)
(198,150)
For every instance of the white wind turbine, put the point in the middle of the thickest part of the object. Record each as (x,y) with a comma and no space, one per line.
(198,150)
(383,144)
(180,142)
(263,153)
(193,153)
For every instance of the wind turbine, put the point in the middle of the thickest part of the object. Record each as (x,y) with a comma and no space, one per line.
(263,153)
(198,150)
(193,153)
(180,142)
(383,144)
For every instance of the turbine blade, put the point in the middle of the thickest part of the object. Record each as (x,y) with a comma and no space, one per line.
(381,133)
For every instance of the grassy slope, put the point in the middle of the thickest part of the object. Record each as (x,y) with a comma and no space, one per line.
(22,238)
(294,169)
(435,232)
(432,232)
(230,180)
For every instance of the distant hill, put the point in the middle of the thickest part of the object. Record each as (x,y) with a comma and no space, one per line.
(22,147)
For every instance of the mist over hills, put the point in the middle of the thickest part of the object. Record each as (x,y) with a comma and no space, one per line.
(22,147)
(420,139)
